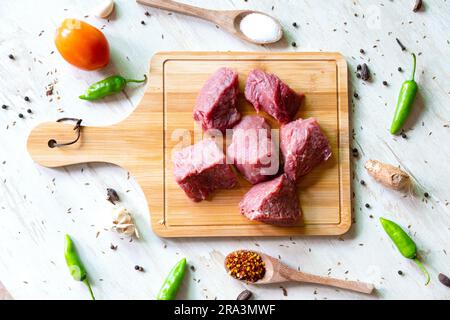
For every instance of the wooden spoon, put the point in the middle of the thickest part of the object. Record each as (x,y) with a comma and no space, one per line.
(229,20)
(276,272)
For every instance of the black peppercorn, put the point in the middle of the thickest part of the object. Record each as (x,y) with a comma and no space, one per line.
(356,95)
(362,51)
(294,44)
(358,75)
(404,136)
(11,56)
(358,67)
(136,267)
(26,99)
(363,182)
(426,195)
(400,272)
(4,107)
(143,22)
(294,24)
(29,111)
(367,205)
(400,69)
(385,83)
(20,115)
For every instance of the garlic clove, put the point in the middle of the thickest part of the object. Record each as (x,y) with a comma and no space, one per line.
(104,9)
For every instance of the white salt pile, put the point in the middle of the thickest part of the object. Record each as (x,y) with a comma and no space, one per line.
(261,28)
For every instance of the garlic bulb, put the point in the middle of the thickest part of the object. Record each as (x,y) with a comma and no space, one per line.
(104,9)
(123,223)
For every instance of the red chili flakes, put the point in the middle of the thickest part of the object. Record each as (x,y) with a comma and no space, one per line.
(245,265)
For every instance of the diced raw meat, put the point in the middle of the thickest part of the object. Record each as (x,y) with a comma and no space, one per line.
(267,92)
(217,101)
(303,146)
(201,168)
(273,201)
(252,150)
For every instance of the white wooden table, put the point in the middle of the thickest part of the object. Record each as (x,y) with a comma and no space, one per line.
(39,205)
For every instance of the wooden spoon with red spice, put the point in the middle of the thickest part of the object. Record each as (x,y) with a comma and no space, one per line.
(276,272)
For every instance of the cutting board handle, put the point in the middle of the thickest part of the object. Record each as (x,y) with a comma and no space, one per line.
(96,144)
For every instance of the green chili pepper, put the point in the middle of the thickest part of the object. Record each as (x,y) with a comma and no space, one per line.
(404,243)
(173,281)
(76,267)
(108,86)
(405,101)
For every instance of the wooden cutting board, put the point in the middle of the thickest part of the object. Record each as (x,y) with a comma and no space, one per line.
(143,143)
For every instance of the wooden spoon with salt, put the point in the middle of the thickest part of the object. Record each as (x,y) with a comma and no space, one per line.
(276,272)
(229,20)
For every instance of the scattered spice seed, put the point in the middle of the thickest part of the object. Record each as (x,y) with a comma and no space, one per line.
(11,56)
(245,265)
(417,5)
(111,195)
(400,272)
(113,247)
(365,72)
(400,44)
(245,295)
(285,293)
(27,99)
(294,44)
(444,279)
(138,268)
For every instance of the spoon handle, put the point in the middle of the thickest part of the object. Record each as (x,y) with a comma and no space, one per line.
(180,8)
(338,283)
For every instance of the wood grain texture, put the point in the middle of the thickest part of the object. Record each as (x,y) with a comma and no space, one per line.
(143,143)
(35,200)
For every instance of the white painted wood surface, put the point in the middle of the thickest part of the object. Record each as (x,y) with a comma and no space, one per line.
(35,201)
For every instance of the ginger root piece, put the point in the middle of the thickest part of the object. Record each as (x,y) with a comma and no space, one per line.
(388,175)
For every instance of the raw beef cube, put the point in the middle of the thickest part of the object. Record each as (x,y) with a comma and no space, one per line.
(201,168)
(273,201)
(303,146)
(267,92)
(252,150)
(217,101)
